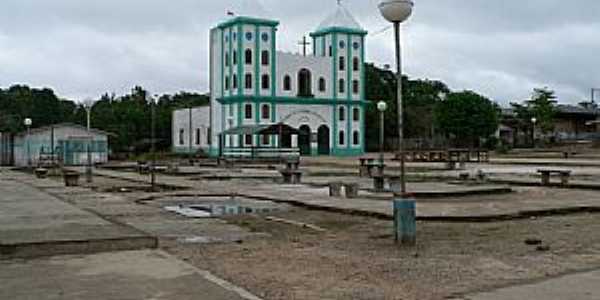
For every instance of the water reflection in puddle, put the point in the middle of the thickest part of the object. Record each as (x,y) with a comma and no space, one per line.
(219,210)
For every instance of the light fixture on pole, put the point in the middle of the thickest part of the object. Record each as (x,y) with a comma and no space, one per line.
(398,11)
(381,107)
(152,141)
(28,122)
(88,104)
(534,122)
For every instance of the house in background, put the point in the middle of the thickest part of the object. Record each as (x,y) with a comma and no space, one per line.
(575,123)
(64,143)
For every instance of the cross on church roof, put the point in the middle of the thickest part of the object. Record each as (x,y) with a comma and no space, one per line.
(304,43)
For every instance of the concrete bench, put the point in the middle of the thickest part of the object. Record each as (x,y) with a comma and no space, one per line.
(546,174)
(71,178)
(335,189)
(291,176)
(41,173)
(351,190)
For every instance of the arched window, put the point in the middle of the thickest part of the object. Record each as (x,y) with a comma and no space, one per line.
(197,136)
(355,87)
(287,83)
(342,86)
(235,81)
(304,83)
(330,51)
(248,81)
(356,114)
(227,82)
(342,113)
(355,64)
(248,140)
(266,111)
(234,57)
(265,81)
(248,111)
(264,58)
(342,138)
(248,56)
(342,63)
(322,85)
(355,138)
(181,134)
(227,59)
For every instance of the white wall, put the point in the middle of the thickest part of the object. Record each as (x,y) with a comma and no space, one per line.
(181,128)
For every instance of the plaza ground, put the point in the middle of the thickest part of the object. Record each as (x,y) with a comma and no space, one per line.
(517,244)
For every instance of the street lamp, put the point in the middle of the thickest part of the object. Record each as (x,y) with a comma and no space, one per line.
(88,104)
(381,107)
(152,141)
(533,121)
(28,122)
(398,11)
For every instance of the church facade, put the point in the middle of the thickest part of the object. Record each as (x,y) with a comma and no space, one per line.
(321,94)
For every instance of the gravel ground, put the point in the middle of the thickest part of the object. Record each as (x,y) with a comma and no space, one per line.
(357,259)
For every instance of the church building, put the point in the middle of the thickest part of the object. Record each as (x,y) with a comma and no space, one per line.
(255,88)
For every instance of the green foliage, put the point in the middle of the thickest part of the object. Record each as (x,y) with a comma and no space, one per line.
(543,107)
(467,116)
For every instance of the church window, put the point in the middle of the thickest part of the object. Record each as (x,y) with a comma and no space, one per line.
(265,81)
(342,138)
(248,56)
(330,51)
(355,86)
(234,36)
(249,36)
(304,83)
(342,86)
(265,140)
(322,85)
(248,81)
(342,63)
(266,111)
(355,64)
(227,59)
(181,134)
(264,58)
(342,113)
(234,57)
(356,114)
(227,82)
(248,139)
(235,81)
(209,136)
(356,45)
(265,37)
(355,138)
(197,136)
(287,83)
(342,44)
(248,111)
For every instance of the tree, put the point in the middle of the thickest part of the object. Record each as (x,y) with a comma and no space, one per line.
(467,116)
(543,107)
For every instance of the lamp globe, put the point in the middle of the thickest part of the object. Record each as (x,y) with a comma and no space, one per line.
(396,11)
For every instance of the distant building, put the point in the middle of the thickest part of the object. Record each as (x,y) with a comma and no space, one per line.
(66,143)
(191,130)
(6,149)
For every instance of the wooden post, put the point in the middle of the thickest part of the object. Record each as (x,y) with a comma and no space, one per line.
(405,225)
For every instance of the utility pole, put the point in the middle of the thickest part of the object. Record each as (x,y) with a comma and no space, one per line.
(152,141)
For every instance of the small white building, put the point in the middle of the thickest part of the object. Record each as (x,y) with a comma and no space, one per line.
(191,130)
(67,143)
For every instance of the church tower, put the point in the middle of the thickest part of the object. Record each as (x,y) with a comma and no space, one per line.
(341,38)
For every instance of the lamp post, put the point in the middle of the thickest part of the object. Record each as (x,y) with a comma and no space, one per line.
(398,11)
(28,122)
(88,104)
(152,141)
(381,107)
(534,122)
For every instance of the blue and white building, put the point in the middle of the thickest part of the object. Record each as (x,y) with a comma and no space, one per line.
(252,85)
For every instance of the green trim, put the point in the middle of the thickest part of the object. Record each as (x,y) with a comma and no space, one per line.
(273,79)
(341,30)
(240,60)
(230,44)
(349,92)
(248,20)
(348,152)
(291,100)
(363,90)
(335,65)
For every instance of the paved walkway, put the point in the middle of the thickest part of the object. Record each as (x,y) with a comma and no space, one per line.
(581,286)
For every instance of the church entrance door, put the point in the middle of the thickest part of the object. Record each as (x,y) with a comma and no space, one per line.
(304,140)
(323,140)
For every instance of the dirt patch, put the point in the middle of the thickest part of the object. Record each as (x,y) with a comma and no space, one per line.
(356,257)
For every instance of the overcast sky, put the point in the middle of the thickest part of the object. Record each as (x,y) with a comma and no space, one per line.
(502,49)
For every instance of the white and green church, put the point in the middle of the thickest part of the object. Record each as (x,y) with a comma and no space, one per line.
(263,100)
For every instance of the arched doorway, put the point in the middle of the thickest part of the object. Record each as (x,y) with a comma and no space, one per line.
(304,140)
(323,140)
(304,83)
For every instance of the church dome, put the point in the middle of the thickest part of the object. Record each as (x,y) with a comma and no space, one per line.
(341,18)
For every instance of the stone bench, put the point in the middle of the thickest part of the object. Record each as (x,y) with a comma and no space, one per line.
(41,173)
(350,189)
(71,178)
(291,176)
(547,173)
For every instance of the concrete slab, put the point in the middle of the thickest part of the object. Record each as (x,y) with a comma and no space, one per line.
(34,223)
(582,286)
(146,274)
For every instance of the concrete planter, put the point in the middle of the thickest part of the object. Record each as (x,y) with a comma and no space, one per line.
(41,173)
(71,178)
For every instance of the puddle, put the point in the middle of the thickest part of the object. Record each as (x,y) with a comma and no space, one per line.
(222,207)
